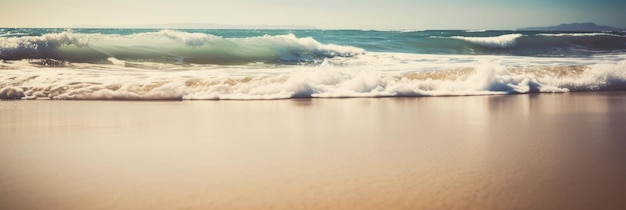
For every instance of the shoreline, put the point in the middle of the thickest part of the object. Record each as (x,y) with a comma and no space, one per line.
(600,92)
(526,151)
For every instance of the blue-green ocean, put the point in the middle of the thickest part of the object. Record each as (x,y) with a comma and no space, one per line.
(164,64)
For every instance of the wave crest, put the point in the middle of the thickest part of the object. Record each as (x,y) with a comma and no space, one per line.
(190,39)
(171,46)
(503,41)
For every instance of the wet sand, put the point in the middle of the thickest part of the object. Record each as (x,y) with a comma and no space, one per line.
(536,151)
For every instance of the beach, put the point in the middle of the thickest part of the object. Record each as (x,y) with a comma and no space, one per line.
(520,151)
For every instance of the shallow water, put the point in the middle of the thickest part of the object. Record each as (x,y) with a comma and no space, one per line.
(536,151)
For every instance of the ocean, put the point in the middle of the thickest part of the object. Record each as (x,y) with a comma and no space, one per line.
(158,64)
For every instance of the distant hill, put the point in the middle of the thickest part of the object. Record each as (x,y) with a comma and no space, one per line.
(573,27)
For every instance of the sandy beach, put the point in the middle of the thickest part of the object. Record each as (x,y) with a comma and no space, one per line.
(529,151)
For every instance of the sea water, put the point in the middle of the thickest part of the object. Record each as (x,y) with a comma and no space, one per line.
(163,64)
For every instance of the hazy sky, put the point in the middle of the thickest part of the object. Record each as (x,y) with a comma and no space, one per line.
(359,14)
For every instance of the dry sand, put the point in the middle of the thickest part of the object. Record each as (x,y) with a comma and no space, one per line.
(537,151)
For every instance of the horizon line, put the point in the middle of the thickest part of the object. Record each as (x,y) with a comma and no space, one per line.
(214,26)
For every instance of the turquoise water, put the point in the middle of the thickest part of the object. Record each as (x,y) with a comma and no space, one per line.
(137,64)
(523,43)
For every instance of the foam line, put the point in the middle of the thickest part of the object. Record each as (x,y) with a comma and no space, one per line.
(371,75)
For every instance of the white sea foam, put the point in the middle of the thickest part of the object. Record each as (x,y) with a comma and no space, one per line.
(411,30)
(190,39)
(371,75)
(476,31)
(503,41)
(32,44)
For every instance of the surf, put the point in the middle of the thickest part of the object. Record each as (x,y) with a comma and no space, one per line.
(370,75)
(168,46)
(502,41)
(154,64)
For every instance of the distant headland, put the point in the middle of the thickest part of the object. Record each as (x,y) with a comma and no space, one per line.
(573,27)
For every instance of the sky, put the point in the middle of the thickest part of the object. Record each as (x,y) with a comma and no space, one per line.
(325,14)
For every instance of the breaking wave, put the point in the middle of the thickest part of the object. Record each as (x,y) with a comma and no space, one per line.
(170,46)
(503,41)
(540,44)
(152,64)
(372,75)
